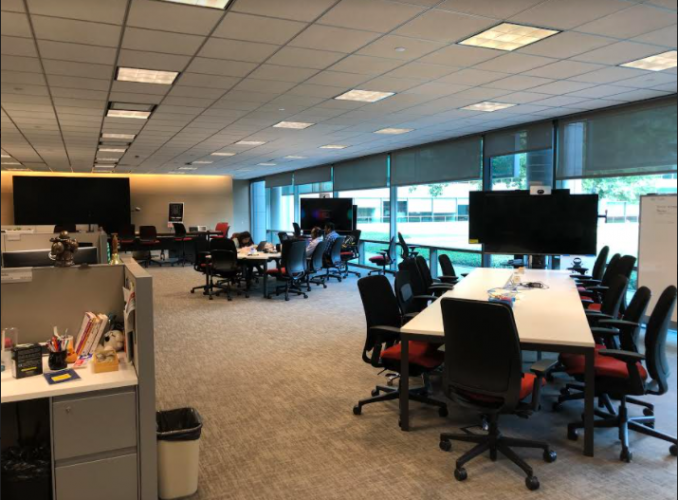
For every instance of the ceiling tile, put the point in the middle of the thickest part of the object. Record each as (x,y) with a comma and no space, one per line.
(523,97)
(515,63)
(13,6)
(252,85)
(564,69)
(77,53)
(632,22)
(70,82)
(619,53)
(562,101)
(460,56)
(73,69)
(498,9)
(444,26)
(609,75)
(136,98)
(567,44)
(283,73)
(14,46)
(563,87)
(152,60)
(649,80)
(258,29)
(237,51)
(25,64)
(366,65)
(320,91)
(221,68)
(640,95)
(437,89)
(14,24)
(373,15)
(299,10)
(421,71)
(666,37)
(333,78)
(173,17)
(161,41)
(67,30)
(305,58)
(600,92)
(108,11)
(386,84)
(140,88)
(181,91)
(472,77)
(482,94)
(333,39)
(18,77)
(518,82)
(568,14)
(668,4)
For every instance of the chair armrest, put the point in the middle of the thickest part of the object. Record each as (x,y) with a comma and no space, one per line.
(442,286)
(625,356)
(619,324)
(543,367)
(465,275)
(453,280)
(386,331)
(595,317)
(598,288)
(606,333)
(410,316)
(589,282)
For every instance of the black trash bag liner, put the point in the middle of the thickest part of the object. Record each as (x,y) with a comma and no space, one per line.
(21,464)
(179,425)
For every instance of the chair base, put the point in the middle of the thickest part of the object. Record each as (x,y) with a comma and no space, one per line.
(383,394)
(290,288)
(495,444)
(622,421)
(577,392)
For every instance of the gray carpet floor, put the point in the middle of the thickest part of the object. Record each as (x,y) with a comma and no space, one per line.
(276,383)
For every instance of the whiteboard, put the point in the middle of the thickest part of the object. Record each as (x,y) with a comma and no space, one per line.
(657,249)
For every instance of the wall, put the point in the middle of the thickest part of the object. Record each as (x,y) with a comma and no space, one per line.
(208,200)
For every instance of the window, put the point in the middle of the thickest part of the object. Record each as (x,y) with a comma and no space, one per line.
(259,211)
(279,211)
(520,171)
(437,215)
(373,219)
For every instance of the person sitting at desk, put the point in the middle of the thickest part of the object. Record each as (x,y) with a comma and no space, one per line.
(331,236)
(316,238)
(244,241)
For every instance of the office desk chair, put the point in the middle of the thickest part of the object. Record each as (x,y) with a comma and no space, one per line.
(223,228)
(610,332)
(350,252)
(435,287)
(148,237)
(292,271)
(334,261)
(385,259)
(224,265)
(410,304)
(622,375)
(408,251)
(594,296)
(283,237)
(181,236)
(203,264)
(598,268)
(298,233)
(483,372)
(127,237)
(449,272)
(315,273)
(383,349)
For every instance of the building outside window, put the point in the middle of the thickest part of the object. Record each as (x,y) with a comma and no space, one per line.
(280,211)
(373,218)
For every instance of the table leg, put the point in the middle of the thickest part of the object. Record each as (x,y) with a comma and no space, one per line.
(405,386)
(265,280)
(589,420)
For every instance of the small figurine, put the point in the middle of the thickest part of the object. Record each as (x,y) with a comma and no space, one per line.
(114,340)
(64,249)
(115,251)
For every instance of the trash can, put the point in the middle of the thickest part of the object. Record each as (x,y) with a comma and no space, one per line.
(27,473)
(179,433)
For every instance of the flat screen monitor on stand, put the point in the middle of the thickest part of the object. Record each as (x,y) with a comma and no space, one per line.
(318,212)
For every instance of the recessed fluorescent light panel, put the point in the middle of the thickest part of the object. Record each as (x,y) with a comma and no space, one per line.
(212,4)
(188,168)
(108,160)
(267,164)
(509,37)
(369,96)
(104,167)
(250,143)
(333,146)
(394,131)
(489,107)
(129,106)
(224,155)
(294,125)
(119,137)
(295,157)
(112,150)
(5,155)
(11,163)
(201,162)
(154,77)
(661,62)
(18,170)
(137,115)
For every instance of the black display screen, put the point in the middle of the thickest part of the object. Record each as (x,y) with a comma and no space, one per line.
(55,201)
(519,223)
(317,212)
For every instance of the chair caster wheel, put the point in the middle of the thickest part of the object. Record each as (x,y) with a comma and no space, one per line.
(532,483)
(446,446)
(461,475)
(444,412)
(376,393)
(674,450)
(648,413)
(626,456)
(287,300)
(357,411)
(572,435)
(550,457)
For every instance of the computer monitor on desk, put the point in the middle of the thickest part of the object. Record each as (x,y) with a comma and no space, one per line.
(40,258)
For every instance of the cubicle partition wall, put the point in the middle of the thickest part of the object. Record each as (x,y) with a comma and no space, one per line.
(15,241)
(60,297)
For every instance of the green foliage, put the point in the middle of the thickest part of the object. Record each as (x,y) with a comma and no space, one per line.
(628,189)
(435,190)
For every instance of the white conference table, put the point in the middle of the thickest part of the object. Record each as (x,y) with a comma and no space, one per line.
(548,320)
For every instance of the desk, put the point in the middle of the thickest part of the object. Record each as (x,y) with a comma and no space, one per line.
(250,261)
(550,320)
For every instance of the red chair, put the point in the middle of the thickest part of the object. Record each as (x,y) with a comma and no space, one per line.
(223,228)
(386,258)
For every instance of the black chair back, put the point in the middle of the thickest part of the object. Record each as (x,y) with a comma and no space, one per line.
(128,232)
(148,233)
(180,230)
(337,246)
(419,286)
(60,228)
(406,253)
(223,244)
(601,262)
(381,309)
(425,271)
(482,353)
(615,296)
(318,257)
(405,293)
(297,230)
(611,270)
(283,237)
(635,313)
(294,258)
(224,262)
(626,266)
(393,250)
(447,266)
(655,340)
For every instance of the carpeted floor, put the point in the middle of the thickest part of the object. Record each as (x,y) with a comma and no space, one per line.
(276,383)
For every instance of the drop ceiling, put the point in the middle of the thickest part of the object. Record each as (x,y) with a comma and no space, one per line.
(263,62)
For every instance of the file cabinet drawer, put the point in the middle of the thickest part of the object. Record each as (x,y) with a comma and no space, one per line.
(95,424)
(110,479)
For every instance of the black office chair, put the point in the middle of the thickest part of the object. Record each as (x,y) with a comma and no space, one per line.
(203,263)
(127,237)
(410,304)
(408,251)
(598,268)
(449,272)
(350,252)
(612,333)
(385,259)
(283,237)
(69,228)
(148,238)
(484,372)
(334,261)
(181,237)
(224,265)
(418,283)
(621,374)
(383,349)
(292,271)
(432,286)
(298,233)
(315,273)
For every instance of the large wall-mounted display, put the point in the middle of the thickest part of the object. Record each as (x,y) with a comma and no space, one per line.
(317,212)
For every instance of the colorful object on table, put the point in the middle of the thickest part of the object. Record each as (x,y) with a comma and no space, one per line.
(61,377)
(26,361)
(105,361)
(503,296)
(82,362)
(115,340)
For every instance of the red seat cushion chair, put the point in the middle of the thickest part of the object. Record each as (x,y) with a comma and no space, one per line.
(422,354)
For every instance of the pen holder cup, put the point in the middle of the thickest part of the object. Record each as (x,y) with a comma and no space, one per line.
(58,361)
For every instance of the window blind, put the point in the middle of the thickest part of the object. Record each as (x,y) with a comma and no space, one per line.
(636,140)
(532,137)
(458,160)
(313,176)
(364,173)
(280,180)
